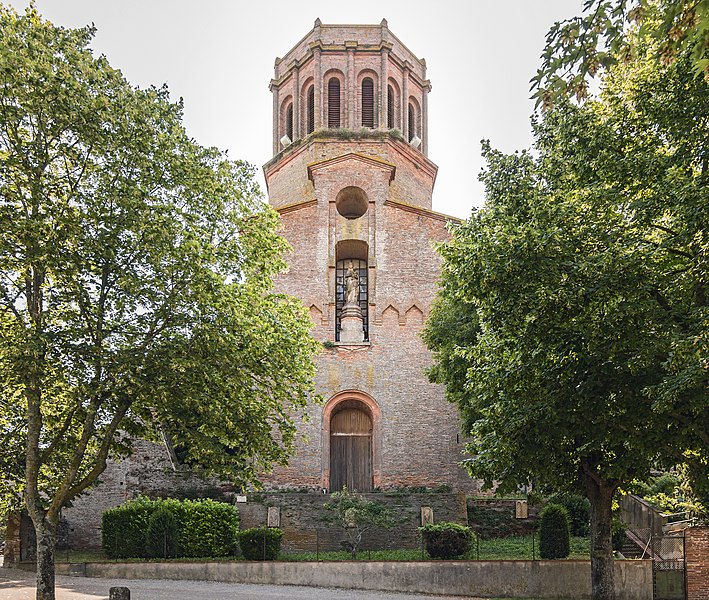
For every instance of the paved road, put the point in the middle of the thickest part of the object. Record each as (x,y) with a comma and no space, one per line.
(19,585)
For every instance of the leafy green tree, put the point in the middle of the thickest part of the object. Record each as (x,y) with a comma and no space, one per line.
(582,46)
(587,273)
(357,515)
(135,285)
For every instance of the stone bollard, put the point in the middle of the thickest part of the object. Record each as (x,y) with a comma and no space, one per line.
(119,593)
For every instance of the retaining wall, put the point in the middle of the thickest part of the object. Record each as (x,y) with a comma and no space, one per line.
(512,579)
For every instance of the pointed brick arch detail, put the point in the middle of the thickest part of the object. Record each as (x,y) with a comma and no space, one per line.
(375,413)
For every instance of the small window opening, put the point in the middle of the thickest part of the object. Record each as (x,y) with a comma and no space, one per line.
(367,102)
(390,108)
(310,126)
(333,103)
(412,122)
(289,122)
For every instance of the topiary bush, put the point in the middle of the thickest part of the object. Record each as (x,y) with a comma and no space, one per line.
(554,539)
(260,543)
(162,536)
(446,540)
(204,528)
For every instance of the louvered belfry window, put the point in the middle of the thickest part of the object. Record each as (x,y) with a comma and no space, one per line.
(390,108)
(311,109)
(289,122)
(333,103)
(412,122)
(367,102)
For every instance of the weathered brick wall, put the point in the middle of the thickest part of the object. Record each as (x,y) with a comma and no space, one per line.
(696,551)
(147,472)
(307,525)
(288,179)
(417,442)
(495,517)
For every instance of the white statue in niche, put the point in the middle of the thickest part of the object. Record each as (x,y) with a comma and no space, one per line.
(351,285)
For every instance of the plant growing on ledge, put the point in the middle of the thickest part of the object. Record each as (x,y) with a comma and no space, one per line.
(356,515)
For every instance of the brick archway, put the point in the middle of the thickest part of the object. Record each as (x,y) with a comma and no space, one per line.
(367,403)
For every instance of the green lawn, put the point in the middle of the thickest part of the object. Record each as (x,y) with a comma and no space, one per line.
(511,548)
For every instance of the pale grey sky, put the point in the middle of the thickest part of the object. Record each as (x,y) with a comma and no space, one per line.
(218,55)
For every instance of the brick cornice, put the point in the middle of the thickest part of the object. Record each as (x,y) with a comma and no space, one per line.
(369,160)
(329,136)
(295,206)
(424,212)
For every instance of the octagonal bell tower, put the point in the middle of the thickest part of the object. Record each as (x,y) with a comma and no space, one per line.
(352,181)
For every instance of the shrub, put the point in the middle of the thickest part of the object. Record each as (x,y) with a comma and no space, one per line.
(554,539)
(579,509)
(204,528)
(357,515)
(161,539)
(260,543)
(446,540)
(209,528)
(123,528)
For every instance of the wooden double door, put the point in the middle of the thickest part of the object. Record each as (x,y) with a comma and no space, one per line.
(351,448)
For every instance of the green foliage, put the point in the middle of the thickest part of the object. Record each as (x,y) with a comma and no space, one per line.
(618,536)
(260,543)
(161,538)
(123,528)
(662,484)
(203,528)
(446,540)
(356,515)
(554,538)
(578,509)
(136,272)
(586,270)
(209,528)
(580,47)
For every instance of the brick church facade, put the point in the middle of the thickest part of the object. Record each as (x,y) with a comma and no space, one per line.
(353,184)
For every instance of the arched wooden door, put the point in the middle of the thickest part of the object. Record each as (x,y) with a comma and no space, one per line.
(351,447)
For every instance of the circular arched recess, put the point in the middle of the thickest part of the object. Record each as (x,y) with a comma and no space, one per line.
(351,202)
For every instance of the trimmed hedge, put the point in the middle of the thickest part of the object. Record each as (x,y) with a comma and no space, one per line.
(260,543)
(554,537)
(203,528)
(446,540)
(162,535)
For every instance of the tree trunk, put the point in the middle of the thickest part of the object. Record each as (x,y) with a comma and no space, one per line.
(600,495)
(46,544)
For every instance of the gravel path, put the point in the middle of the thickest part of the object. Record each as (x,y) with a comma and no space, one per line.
(19,585)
